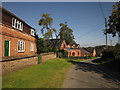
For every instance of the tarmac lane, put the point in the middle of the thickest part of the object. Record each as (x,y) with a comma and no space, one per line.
(87,74)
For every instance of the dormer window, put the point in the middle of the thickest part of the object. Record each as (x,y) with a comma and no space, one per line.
(32,32)
(17,24)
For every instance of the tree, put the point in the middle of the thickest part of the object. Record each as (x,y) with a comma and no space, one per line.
(44,46)
(46,23)
(47,31)
(114,20)
(66,33)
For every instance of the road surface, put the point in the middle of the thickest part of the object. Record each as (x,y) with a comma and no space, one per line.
(87,74)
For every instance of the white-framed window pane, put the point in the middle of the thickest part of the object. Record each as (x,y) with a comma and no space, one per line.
(32,32)
(21,46)
(17,24)
(13,20)
(31,47)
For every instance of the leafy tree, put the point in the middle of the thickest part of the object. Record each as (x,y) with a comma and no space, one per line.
(114,20)
(44,46)
(66,33)
(46,23)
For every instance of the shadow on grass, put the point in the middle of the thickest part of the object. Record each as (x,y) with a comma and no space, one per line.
(95,68)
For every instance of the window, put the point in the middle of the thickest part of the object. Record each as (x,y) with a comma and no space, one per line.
(32,32)
(78,53)
(31,47)
(17,24)
(21,46)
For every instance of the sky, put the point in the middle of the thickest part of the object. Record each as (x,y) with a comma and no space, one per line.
(86,19)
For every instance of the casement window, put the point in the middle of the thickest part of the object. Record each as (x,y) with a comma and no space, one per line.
(31,47)
(17,24)
(21,46)
(32,32)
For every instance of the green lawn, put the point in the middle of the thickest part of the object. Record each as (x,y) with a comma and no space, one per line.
(50,74)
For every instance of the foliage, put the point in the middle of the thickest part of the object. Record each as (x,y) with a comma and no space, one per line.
(62,54)
(114,20)
(44,46)
(46,23)
(50,74)
(99,49)
(110,58)
(108,54)
(117,51)
(112,53)
(66,33)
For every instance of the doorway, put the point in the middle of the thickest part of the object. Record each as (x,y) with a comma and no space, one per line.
(6,48)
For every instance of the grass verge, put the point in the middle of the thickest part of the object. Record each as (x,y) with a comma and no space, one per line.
(51,74)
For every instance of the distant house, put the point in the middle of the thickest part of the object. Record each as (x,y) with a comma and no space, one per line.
(73,49)
(85,52)
(91,50)
(57,43)
(18,38)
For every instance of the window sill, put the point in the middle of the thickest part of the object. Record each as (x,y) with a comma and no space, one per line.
(21,51)
(32,50)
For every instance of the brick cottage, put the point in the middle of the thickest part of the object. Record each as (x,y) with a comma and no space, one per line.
(17,37)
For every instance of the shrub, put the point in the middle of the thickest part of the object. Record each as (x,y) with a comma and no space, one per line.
(65,54)
(59,54)
(117,51)
(62,54)
(108,54)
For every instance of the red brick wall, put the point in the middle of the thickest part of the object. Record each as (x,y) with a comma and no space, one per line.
(11,66)
(14,35)
(75,51)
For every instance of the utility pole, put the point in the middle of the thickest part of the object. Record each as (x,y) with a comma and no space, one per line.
(106,33)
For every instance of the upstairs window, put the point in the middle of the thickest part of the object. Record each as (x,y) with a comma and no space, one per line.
(31,47)
(21,46)
(32,32)
(17,24)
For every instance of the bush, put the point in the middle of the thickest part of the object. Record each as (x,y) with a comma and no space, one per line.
(59,54)
(117,51)
(108,54)
(62,54)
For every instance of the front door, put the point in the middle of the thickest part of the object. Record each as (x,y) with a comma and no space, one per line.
(6,47)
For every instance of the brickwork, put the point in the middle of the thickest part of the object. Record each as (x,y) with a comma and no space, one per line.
(47,57)
(63,45)
(14,36)
(11,66)
(75,52)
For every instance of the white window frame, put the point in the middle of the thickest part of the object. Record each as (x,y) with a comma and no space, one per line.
(14,22)
(31,47)
(32,32)
(23,45)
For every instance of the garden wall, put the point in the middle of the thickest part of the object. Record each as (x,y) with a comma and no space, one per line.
(46,56)
(12,65)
